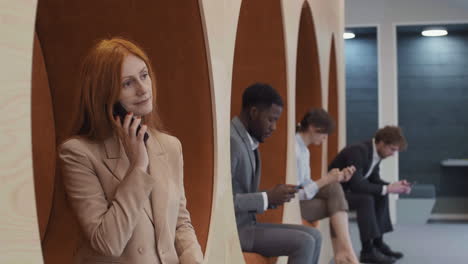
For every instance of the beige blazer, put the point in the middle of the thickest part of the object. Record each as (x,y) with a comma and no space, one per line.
(133,217)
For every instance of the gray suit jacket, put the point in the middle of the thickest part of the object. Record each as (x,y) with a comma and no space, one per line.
(245,180)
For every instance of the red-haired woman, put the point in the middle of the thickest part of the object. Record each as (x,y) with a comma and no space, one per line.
(126,192)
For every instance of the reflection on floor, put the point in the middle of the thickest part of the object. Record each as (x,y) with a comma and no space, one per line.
(434,243)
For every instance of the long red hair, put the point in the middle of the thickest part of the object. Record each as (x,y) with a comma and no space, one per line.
(100,83)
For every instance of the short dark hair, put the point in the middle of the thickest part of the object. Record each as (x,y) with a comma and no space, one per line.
(260,95)
(319,118)
(391,135)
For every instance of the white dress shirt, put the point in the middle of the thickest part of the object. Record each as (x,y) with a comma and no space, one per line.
(254,144)
(375,160)
(310,188)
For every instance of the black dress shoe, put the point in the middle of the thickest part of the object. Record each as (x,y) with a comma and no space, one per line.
(374,256)
(386,250)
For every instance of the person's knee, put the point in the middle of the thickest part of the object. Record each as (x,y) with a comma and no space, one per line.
(312,239)
(366,202)
(335,188)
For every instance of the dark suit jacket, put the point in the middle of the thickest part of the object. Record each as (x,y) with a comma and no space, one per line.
(360,155)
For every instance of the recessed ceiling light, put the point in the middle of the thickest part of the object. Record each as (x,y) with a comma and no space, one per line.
(434,32)
(348,35)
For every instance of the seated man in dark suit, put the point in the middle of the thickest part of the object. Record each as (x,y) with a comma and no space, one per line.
(367,193)
(261,108)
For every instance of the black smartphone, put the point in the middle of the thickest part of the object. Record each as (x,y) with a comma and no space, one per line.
(300,186)
(121,112)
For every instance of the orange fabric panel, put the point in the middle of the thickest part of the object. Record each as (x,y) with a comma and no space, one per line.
(171,32)
(308,81)
(43,138)
(260,57)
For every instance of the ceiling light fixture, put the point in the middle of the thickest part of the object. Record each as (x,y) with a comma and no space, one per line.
(348,35)
(434,32)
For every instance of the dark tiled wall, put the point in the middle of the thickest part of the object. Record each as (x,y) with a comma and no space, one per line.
(433,108)
(361,87)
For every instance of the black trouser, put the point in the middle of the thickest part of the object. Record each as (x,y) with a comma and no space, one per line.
(373,215)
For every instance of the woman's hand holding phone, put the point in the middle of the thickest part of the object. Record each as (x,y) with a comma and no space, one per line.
(335,175)
(348,172)
(133,143)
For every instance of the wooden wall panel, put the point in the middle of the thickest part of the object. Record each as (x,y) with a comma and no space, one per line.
(19,230)
(308,81)
(333,105)
(220,21)
(172,34)
(328,20)
(43,138)
(19,235)
(260,57)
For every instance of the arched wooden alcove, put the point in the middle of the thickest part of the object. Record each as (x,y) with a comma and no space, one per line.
(171,32)
(308,80)
(333,103)
(43,138)
(260,57)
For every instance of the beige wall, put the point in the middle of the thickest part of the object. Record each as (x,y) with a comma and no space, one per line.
(19,235)
(19,232)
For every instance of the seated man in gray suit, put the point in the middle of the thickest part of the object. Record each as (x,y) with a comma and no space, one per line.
(261,108)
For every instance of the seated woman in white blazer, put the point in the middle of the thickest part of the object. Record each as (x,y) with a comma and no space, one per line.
(126,192)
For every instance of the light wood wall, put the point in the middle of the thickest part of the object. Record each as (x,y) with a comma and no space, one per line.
(20,240)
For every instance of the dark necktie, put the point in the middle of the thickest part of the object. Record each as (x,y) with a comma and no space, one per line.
(256,167)
(256,159)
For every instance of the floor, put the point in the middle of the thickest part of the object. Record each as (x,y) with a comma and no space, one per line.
(433,243)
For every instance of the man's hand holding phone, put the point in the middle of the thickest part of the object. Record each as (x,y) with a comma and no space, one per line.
(399,187)
(281,193)
(409,185)
(298,187)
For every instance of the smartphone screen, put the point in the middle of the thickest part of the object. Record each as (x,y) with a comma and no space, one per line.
(120,111)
